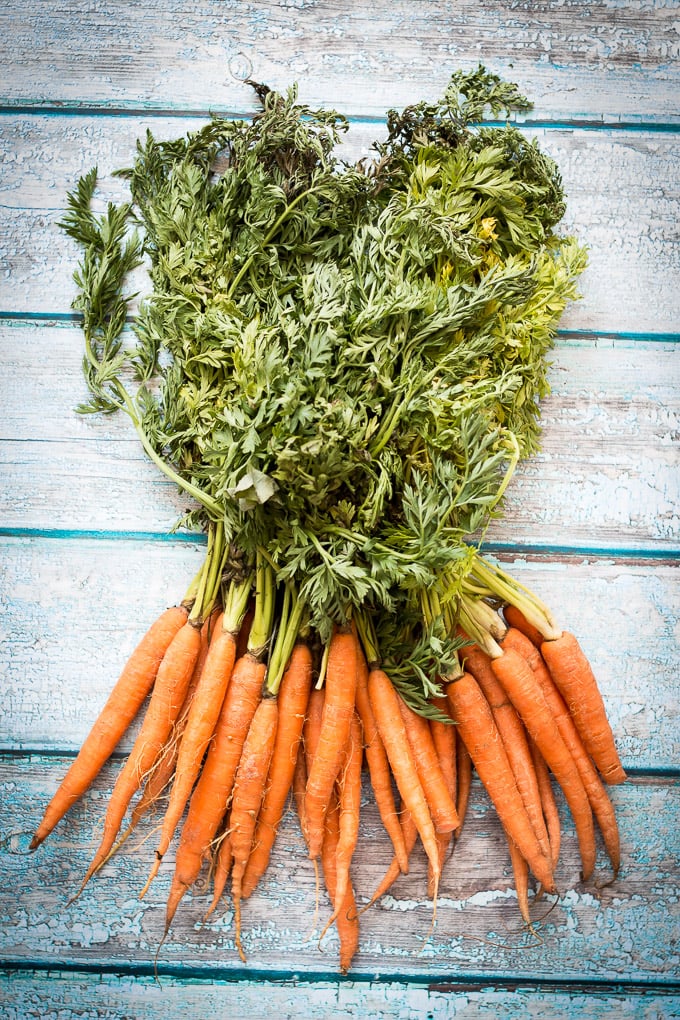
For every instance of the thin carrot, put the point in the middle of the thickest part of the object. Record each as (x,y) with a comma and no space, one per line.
(349,802)
(224,858)
(338,710)
(600,803)
(122,705)
(293,698)
(393,872)
(169,692)
(520,871)
(385,702)
(200,726)
(378,764)
(464,777)
(549,804)
(525,692)
(444,739)
(163,770)
(348,917)
(516,618)
(478,730)
(211,794)
(576,682)
(514,736)
(441,804)
(249,785)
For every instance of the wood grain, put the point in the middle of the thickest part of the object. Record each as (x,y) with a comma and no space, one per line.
(595,60)
(612,933)
(623,195)
(34,995)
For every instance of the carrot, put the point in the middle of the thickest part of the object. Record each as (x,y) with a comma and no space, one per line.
(349,801)
(198,731)
(223,860)
(441,804)
(249,784)
(410,833)
(122,705)
(574,678)
(524,691)
(293,697)
(169,692)
(600,803)
(211,794)
(386,709)
(464,777)
(516,618)
(378,764)
(348,918)
(520,871)
(478,730)
(338,710)
(163,770)
(548,802)
(444,739)
(515,739)
(299,784)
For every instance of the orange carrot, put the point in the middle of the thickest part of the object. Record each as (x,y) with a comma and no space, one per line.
(338,710)
(123,704)
(249,785)
(520,870)
(293,697)
(524,691)
(574,678)
(478,730)
(210,798)
(348,918)
(515,739)
(444,739)
(516,618)
(198,731)
(349,801)
(385,702)
(464,777)
(600,803)
(378,764)
(548,802)
(223,860)
(441,804)
(169,692)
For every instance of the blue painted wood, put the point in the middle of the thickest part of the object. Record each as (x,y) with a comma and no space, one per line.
(80,84)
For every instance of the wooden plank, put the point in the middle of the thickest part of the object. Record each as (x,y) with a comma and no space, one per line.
(607,474)
(621,932)
(623,194)
(34,995)
(73,610)
(599,60)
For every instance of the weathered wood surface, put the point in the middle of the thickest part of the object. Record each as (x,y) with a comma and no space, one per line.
(605,60)
(619,932)
(608,435)
(623,194)
(31,995)
(591,522)
(73,609)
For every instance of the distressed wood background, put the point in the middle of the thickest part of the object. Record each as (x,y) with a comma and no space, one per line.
(592,522)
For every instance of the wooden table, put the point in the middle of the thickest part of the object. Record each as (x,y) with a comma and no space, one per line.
(591,522)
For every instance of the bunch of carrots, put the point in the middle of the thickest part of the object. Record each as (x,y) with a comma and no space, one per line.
(237,724)
(352,362)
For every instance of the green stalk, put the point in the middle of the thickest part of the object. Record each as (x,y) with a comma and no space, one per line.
(508,590)
(290,623)
(236,603)
(265,602)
